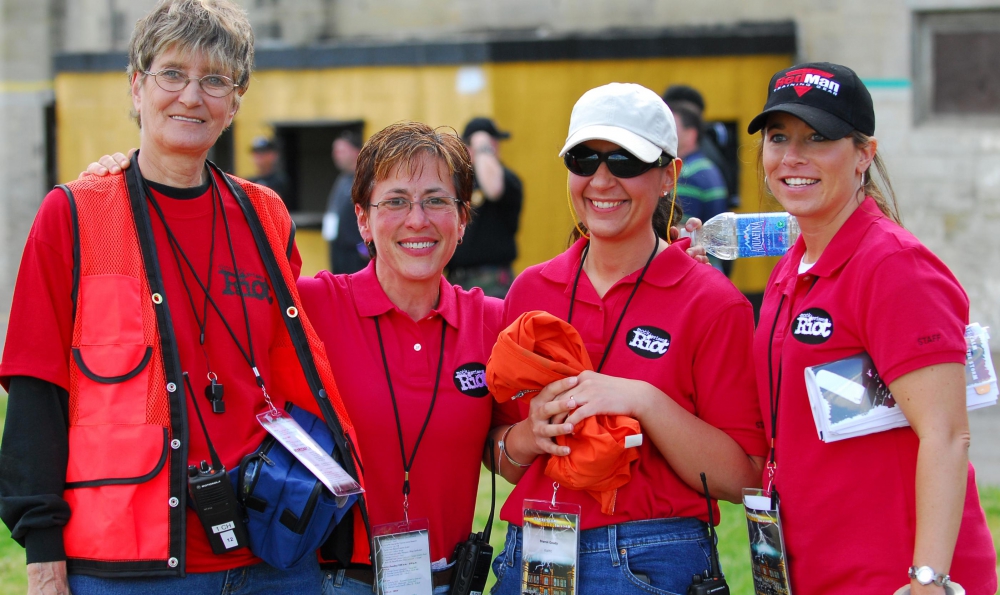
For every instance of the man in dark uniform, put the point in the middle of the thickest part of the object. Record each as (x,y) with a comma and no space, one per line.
(265,159)
(485,256)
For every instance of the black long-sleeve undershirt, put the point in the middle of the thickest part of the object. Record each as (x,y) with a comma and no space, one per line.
(33,459)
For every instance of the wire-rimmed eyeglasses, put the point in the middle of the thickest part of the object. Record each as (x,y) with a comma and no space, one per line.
(173,80)
(431,205)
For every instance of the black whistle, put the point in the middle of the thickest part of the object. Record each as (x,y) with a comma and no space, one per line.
(214,392)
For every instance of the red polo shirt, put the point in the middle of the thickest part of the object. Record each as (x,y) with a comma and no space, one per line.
(445,475)
(848,507)
(688,332)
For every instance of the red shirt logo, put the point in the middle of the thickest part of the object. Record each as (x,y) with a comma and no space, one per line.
(804,80)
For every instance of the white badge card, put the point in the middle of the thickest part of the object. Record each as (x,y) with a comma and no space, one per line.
(551,545)
(401,553)
(298,442)
(768,561)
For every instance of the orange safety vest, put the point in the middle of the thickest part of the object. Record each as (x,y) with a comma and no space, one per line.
(126,477)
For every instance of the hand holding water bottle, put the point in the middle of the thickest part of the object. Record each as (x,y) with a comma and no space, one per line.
(742,235)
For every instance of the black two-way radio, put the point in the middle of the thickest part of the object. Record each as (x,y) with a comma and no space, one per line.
(474,555)
(712,581)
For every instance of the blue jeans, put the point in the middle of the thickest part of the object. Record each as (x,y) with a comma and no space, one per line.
(335,583)
(256,579)
(656,556)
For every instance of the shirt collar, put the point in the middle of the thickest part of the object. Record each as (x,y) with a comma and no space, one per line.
(843,245)
(667,268)
(371,301)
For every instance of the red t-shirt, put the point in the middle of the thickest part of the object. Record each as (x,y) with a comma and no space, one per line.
(41,326)
(445,472)
(848,508)
(688,332)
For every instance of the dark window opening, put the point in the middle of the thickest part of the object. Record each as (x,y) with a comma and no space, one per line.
(222,153)
(51,164)
(306,149)
(966,80)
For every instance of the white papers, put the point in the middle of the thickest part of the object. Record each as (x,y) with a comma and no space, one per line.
(402,557)
(848,398)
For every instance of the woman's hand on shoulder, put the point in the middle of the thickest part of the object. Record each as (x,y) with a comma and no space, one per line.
(600,394)
(108,165)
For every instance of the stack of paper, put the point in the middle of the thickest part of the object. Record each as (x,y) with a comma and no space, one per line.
(848,398)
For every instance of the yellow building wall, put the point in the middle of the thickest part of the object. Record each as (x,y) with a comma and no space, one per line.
(532,100)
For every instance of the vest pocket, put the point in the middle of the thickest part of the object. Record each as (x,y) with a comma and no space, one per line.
(117,489)
(113,383)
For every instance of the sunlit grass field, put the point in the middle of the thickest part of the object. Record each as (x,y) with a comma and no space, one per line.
(732,535)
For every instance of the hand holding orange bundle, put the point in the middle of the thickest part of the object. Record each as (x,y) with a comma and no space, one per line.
(536,350)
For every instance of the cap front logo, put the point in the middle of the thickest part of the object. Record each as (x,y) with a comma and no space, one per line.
(803,80)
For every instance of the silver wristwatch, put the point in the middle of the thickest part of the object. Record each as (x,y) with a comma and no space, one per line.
(926,575)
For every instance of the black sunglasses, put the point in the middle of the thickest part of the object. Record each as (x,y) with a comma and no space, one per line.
(583,161)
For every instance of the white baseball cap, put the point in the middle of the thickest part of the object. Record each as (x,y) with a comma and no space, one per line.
(629,115)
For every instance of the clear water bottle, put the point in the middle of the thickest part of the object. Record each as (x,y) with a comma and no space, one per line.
(742,235)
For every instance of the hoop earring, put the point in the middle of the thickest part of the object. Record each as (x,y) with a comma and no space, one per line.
(863,179)
(767,188)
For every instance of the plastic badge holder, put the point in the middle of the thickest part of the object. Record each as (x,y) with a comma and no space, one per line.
(401,554)
(550,552)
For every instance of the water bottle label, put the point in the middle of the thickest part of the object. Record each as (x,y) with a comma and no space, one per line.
(762,235)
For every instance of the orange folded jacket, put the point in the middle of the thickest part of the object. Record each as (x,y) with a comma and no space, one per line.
(536,350)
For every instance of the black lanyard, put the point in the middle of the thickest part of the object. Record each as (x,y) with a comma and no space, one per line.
(248,353)
(576,283)
(407,465)
(774,395)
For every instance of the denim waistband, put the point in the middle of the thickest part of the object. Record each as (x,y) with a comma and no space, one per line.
(638,533)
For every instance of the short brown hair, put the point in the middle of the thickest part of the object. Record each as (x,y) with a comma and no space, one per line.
(400,145)
(218,28)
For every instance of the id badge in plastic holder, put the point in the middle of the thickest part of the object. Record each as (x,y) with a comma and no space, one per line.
(550,547)
(768,561)
(401,554)
(290,434)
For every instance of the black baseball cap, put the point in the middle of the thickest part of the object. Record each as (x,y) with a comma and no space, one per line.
(828,97)
(485,125)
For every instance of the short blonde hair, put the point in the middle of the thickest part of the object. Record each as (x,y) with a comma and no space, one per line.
(218,28)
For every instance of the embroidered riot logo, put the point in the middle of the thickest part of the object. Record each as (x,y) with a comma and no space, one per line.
(813,326)
(648,341)
(804,80)
(470,380)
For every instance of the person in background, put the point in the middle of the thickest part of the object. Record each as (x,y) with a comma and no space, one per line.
(128,282)
(340,227)
(266,160)
(713,139)
(701,190)
(485,256)
(618,284)
(859,512)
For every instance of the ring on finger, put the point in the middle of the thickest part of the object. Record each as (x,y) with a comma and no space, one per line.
(571,403)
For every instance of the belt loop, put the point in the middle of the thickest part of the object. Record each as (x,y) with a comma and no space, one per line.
(339,580)
(613,545)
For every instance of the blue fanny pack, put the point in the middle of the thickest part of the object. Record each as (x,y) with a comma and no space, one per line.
(288,512)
